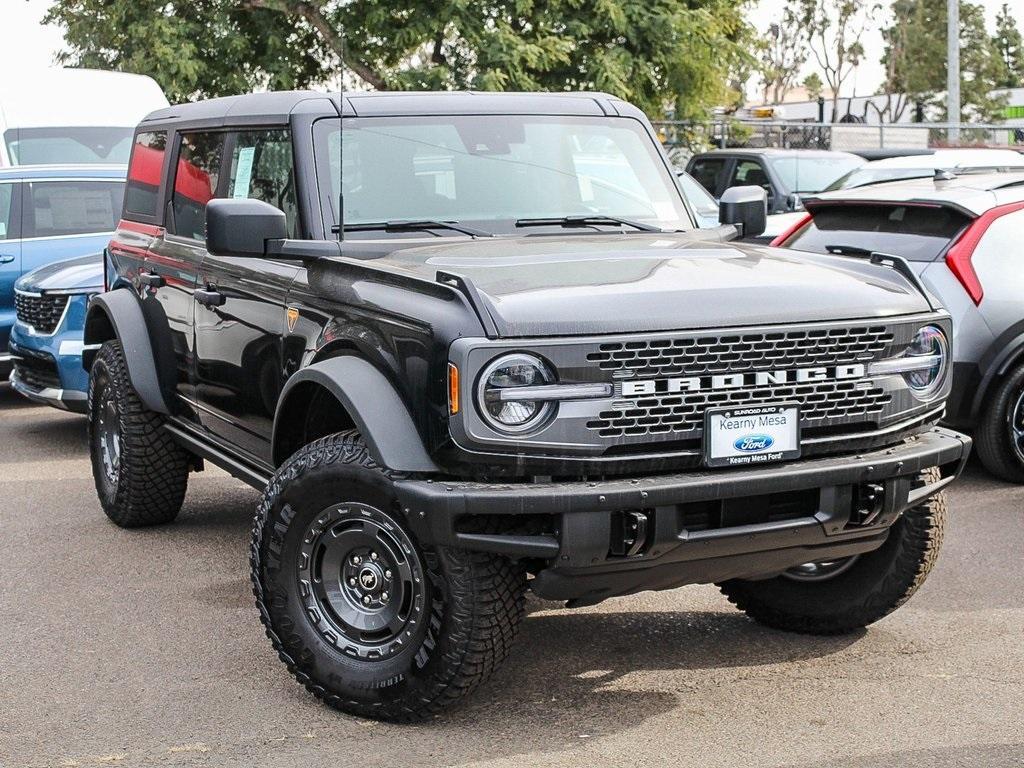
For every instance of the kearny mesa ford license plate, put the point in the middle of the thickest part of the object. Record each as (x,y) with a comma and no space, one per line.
(751,434)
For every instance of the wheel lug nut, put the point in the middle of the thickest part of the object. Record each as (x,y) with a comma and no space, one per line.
(356,559)
(351,582)
(387,574)
(366,600)
(373,555)
(383,595)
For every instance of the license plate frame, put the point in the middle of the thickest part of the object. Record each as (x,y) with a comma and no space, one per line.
(786,437)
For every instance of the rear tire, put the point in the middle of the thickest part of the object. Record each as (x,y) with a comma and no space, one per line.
(862,592)
(364,617)
(140,472)
(1000,434)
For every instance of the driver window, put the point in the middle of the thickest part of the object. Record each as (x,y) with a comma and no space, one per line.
(262,169)
(749,173)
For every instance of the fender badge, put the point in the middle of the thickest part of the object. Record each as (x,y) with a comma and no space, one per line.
(293,318)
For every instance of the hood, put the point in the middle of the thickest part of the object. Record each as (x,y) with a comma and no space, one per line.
(581,284)
(83,273)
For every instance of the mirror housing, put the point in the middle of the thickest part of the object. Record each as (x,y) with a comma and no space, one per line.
(746,208)
(242,227)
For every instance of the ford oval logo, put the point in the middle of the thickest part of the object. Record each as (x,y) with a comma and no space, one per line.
(751,443)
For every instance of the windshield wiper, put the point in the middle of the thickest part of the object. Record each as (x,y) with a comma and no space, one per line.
(848,250)
(413,225)
(586,220)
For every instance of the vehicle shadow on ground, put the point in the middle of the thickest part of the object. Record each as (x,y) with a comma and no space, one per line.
(577,668)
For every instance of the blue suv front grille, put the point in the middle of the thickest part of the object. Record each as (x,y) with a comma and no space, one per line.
(42,313)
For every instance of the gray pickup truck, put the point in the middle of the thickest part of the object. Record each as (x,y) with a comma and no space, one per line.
(469,345)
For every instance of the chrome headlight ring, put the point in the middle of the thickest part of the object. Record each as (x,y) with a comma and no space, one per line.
(923,365)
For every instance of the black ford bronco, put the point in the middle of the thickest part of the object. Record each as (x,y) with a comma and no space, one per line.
(472,344)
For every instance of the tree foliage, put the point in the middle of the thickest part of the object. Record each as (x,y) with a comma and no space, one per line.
(783,54)
(661,54)
(1010,45)
(834,29)
(915,60)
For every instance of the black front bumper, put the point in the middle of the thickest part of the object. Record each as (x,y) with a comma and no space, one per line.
(569,529)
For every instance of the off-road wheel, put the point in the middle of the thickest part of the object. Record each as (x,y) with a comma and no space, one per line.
(835,597)
(140,472)
(1000,435)
(364,617)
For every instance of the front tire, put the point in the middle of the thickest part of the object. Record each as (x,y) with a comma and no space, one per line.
(843,596)
(1000,434)
(364,617)
(140,472)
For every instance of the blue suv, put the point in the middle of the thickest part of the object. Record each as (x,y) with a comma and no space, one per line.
(50,214)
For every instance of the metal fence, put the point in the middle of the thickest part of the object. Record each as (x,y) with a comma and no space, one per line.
(683,139)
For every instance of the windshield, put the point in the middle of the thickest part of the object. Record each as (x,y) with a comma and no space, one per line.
(917,233)
(491,171)
(45,146)
(812,174)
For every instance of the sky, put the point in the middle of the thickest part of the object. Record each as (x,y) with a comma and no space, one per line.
(29,45)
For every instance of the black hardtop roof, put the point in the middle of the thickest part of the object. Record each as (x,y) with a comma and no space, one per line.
(276,107)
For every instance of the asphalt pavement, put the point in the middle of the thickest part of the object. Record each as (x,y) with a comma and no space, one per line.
(138,648)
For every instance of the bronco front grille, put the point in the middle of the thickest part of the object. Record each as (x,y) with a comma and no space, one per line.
(42,313)
(821,403)
(735,353)
(662,384)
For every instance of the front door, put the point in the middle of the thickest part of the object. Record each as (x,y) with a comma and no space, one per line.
(171,268)
(240,305)
(10,257)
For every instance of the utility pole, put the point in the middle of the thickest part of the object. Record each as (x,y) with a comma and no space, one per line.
(953,70)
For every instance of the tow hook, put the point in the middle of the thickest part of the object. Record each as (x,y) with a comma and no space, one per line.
(628,533)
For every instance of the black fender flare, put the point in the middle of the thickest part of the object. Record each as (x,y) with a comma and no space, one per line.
(377,410)
(119,310)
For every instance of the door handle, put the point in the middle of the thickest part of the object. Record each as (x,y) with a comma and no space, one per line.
(210,297)
(151,280)
(6,258)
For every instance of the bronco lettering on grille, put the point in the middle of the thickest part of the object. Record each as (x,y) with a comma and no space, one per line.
(641,387)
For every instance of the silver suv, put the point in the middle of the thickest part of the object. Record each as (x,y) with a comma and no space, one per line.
(964,239)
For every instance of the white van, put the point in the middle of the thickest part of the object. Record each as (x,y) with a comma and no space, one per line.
(72,115)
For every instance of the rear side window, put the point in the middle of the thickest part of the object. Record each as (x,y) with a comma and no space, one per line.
(61,208)
(144,171)
(8,212)
(917,233)
(262,169)
(709,171)
(195,182)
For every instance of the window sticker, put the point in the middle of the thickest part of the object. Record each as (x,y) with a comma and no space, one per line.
(243,173)
(3,229)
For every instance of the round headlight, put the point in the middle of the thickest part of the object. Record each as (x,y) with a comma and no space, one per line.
(500,404)
(932,349)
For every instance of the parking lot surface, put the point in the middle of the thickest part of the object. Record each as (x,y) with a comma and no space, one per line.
(143,648)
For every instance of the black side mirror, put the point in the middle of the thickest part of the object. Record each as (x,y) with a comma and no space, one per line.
(746,208)
(242,227)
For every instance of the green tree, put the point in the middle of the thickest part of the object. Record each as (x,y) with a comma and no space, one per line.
(1010,45)
(915,60)
(834,29)
(661,54)
(783,54)
(814,86)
